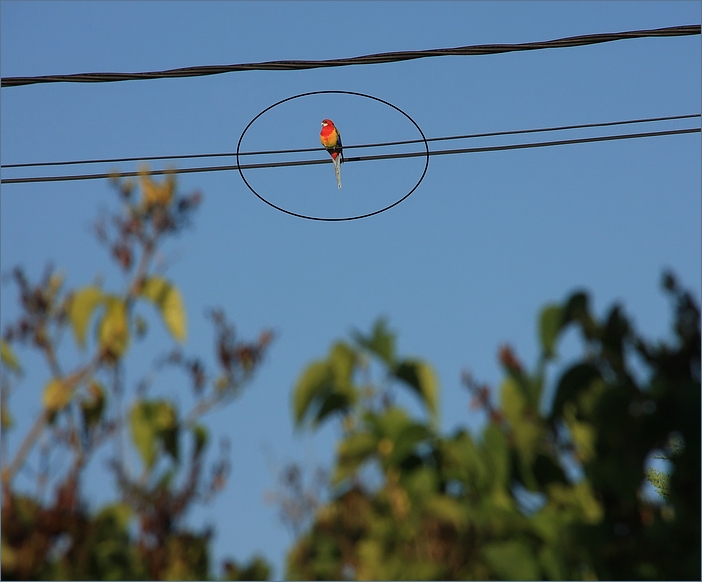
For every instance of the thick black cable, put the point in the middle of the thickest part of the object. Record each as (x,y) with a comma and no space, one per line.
(351,159)
(391,57)
(349,147)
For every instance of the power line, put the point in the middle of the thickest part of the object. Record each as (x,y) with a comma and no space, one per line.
(378,58)
(349,147)
(354,159)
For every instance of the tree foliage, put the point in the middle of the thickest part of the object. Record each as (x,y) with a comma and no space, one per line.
(553,487)
(557,495)
(141,533)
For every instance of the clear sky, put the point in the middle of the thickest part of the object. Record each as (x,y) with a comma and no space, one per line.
(461,266)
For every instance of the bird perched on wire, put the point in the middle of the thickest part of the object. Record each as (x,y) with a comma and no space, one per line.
(331,140)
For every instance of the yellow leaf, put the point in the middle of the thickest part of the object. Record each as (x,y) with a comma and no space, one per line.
(385,447)
(9,556)
(399,502)
(81,309)
(57,394)
(169,301)
(6,420)
(165,417)
(154,193)
(114,328)
(8,357)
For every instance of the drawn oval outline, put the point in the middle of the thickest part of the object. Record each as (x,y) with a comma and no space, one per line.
(322,218)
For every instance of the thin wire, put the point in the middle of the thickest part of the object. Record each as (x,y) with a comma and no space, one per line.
(355,159)
(391,57)
(349,147)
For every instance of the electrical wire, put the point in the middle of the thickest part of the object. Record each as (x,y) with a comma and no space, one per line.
(349,147)
(378,58)
(353,159)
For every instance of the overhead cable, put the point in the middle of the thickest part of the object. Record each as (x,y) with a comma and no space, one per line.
(506,147)
(349,147)
(373,59)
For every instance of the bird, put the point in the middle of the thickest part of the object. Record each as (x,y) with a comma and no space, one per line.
(331,140)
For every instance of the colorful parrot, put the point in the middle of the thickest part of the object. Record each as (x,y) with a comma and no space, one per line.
(331,140)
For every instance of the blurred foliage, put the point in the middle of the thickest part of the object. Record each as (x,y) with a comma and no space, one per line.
(141,534)
(556,486)
(537,496)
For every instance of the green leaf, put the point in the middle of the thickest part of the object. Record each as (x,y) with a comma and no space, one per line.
(7,355)
(342,359)
(169,301)
(592,509)
(512,400)
(325,386)
(421,483)
(577,308)
(420,376)
(523,420)
(512,560)
(575,379)
(169,439)
(165,480)
(357,447)
(352,452)
(119,514)
(113,332)
(388,423)
(551,560)
(533,387)
(314,381)
(660,482)
(82,305)
(153,422)
(201,436)
(143,432)
(380,342)
(447,509)
(496,454)
(406,442)
(168,430)
(550,323)
(583,434)
(614,333)
(333,402)
(256,569)
(461,460)
(93,406)
(547,471)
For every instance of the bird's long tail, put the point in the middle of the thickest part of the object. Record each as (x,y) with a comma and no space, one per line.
(337,170)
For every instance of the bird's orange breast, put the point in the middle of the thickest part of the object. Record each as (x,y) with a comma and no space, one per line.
(329,137)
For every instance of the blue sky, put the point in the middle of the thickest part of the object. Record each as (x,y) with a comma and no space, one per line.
(460,267)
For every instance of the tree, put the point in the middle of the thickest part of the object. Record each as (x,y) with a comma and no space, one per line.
(141,534)
(537,496)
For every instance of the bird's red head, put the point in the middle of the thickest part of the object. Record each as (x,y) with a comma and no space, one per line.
(327,122)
